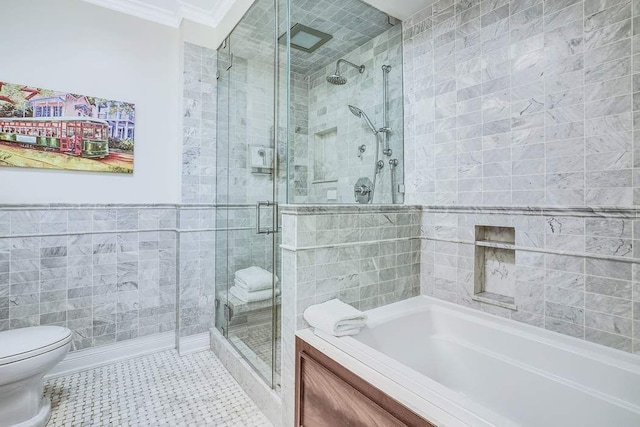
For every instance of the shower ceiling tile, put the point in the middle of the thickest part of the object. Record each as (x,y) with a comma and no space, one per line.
(351,23)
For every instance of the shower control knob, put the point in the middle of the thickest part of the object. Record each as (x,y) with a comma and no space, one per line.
(380,164)
(362,190)
(393,162)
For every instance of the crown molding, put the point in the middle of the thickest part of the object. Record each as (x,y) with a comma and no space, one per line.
(210,17)
(142,10)
(172,17)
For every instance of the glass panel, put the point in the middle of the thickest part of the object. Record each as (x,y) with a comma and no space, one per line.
(250,154)
(223,61)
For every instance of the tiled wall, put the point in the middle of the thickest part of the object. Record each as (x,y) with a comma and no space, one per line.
(367,256)
(199,181)
(197,270)
(326,108)
(526,102)
(299,154)
(576,271)
(199,125)
(107,273)
(529,103)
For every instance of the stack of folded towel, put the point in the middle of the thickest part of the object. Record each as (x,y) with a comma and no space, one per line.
(253,284)
(336,318)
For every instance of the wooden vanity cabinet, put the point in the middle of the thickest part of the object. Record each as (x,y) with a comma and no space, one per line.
(329,395)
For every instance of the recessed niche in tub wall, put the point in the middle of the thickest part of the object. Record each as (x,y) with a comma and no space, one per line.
(325,156)
(495,261)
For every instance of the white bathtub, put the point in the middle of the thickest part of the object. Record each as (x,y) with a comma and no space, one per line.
(482,370)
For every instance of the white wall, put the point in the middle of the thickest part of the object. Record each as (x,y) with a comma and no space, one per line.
(73,46)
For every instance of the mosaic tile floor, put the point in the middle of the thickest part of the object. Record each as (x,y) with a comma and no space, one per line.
(257,344)
(161,389)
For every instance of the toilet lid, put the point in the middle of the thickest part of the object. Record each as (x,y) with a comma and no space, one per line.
(21,343)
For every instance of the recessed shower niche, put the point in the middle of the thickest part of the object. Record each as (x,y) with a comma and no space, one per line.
(325,156)
(494,271)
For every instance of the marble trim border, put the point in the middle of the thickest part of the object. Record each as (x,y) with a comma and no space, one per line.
(628,260)
(330,209)
(300,209)
(94,206)
(575,211)
(137,230)
(346,244)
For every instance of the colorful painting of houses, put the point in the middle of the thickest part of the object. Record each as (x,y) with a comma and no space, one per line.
(42,128)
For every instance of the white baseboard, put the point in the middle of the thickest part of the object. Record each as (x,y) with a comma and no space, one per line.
(90,358)
(194,343)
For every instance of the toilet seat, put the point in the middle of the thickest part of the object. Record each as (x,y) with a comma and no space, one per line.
(24,343)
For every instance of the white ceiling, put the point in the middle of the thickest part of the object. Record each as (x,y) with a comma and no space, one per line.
(212,12)
(171,12)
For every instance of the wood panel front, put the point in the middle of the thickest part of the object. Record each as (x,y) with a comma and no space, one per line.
(328,401)
(329,395)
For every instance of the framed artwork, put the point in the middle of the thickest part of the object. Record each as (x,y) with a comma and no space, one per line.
(47,129)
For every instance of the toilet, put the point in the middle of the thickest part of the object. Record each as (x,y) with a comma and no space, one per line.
(26,356)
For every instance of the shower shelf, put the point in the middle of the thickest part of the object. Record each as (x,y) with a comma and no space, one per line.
(496,299)
(495,244)
(238,306)
(495,266)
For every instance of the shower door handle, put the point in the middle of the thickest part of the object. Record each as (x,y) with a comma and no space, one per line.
(259,229)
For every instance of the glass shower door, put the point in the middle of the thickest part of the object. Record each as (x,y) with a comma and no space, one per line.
(223,61)
(247,280)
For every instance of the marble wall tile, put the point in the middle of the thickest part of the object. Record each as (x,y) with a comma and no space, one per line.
(577,278)
(319,107)
(542,112)
(114,284)
(342,260)
(529,103)
(199,126)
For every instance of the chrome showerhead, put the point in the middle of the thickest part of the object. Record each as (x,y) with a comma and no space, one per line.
(359,113)
(337,79)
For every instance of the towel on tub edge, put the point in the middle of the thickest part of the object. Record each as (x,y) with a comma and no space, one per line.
(336,318)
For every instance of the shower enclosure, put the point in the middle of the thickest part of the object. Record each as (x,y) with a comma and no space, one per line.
(290,75)
(247,190)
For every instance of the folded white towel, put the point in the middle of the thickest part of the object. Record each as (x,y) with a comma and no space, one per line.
(254,286)
(245,296)
(336,318)
(254,279)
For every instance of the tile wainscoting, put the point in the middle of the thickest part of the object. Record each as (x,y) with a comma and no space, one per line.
(576,269)
(365,255)
(108,272)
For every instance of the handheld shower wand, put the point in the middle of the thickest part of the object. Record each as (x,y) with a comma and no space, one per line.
(359,113)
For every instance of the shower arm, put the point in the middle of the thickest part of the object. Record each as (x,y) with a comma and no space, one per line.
(360,68)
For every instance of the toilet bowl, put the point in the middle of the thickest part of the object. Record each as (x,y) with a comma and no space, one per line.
(26,356)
